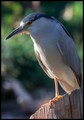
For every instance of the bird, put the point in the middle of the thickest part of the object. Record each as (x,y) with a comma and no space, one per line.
(55,50)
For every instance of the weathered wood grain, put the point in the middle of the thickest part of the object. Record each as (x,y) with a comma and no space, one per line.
(75,104)
(69,106)
(81,101)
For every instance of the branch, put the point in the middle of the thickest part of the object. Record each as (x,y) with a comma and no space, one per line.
(69,106)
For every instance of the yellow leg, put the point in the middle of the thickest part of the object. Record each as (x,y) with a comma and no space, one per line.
(57,93)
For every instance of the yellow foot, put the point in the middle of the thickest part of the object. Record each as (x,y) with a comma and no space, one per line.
(58,96)
(45,104)
(50,102)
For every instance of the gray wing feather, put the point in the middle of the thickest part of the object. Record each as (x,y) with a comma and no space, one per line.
(68,50)
(70,55)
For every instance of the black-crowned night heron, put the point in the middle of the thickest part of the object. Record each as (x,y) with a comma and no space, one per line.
(54,49)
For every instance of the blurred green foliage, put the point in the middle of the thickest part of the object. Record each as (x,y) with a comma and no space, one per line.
(17,54)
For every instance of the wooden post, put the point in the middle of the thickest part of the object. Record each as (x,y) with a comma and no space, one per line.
(69,106)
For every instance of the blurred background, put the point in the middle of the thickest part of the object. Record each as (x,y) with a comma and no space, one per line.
(24,85)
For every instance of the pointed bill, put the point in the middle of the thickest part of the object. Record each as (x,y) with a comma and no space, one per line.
(15,32)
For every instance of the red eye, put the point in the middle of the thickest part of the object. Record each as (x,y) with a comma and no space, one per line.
(29,23)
